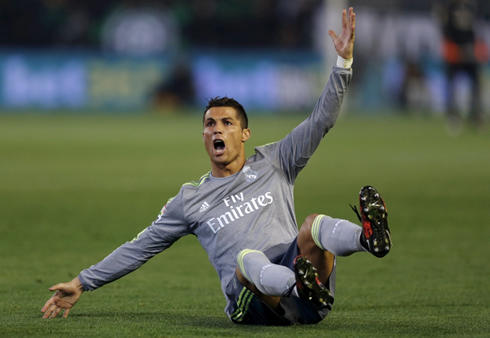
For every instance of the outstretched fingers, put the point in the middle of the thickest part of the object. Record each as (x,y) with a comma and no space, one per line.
(352,23)
(344,43)
(48,304)
(344,17)
(55,311)
(65,297)
(54,305)
(49,308)
(65,314)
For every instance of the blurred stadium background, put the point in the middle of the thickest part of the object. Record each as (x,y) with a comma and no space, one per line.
(138,56)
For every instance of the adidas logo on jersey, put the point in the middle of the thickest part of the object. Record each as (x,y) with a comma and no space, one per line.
(204,206)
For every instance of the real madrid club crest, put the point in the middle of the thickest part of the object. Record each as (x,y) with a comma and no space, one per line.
(250,175)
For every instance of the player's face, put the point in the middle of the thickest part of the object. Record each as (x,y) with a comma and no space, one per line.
(224,139)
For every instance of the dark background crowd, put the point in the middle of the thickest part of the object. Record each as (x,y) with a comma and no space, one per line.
(217,23)
(202,23)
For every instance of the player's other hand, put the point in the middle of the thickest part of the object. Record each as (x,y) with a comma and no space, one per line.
(344,43)
(66,296)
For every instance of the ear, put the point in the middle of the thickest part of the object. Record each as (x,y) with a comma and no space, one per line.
(245,134)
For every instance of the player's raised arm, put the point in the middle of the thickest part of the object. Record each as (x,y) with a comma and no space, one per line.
(344,43)
(295,150)
(66,296)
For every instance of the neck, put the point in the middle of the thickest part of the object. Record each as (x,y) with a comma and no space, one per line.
(219,170)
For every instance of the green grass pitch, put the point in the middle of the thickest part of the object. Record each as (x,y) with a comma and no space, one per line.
(73,188)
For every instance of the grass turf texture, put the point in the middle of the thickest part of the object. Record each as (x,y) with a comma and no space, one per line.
(74,188)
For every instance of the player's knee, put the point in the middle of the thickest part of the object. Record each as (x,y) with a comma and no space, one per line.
(305,239)
(243,259)
(309,235)
(307,224)
(239,259)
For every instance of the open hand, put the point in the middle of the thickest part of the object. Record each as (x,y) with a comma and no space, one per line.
(344,43)
(66,296)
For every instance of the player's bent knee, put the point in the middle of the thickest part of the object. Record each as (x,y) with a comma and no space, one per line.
(306,226)
(241,260)
(305,239)
(309,232)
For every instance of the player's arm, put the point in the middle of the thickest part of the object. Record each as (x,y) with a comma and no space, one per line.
(294,151)
(168,228)
(125,259)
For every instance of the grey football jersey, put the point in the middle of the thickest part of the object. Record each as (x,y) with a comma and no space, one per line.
(252,209)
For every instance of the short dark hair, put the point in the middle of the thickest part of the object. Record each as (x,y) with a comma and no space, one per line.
(228,102)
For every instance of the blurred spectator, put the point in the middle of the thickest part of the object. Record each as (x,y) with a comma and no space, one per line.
(296,24)
(414,94)
(463,54)
(175,91)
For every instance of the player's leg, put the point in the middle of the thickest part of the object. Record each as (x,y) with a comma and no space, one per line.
(272,281)
(451,108)
(453,117)
(268,281)
(476,115)
(322,259)
(265,293)
(321,237)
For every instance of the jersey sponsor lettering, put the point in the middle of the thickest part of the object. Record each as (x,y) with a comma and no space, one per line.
(238,209)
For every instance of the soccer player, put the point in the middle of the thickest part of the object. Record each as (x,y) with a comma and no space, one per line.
(242,212)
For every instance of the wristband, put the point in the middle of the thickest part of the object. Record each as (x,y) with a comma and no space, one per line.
(344,63)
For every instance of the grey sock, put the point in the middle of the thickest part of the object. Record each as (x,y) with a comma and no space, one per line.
(340,237)
(270,279)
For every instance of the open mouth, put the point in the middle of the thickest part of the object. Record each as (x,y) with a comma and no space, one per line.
(219,146)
